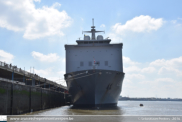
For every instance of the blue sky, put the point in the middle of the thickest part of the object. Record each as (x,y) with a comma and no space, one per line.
(33,34)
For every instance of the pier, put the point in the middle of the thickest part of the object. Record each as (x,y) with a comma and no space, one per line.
(23,92)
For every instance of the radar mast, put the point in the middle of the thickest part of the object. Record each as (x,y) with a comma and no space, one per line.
(93,31)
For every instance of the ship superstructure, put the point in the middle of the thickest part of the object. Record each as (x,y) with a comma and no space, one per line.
(94,70)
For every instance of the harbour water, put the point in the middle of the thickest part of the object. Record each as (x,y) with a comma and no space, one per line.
(126,111)
(123,108)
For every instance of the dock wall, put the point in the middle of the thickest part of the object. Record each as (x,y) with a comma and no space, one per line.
(18,99)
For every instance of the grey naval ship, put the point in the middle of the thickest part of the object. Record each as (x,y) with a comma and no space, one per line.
(94,70)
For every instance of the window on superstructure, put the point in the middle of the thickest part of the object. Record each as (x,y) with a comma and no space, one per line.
(98,63)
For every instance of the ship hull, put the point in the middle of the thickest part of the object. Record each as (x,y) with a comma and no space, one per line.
(94,87)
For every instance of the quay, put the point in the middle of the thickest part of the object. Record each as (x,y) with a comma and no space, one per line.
(24,92)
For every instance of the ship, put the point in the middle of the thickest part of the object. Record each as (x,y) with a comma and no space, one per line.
(94,70)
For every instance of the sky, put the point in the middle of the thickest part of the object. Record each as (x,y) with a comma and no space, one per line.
(33,34)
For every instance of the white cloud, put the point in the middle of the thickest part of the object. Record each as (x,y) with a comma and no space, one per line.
(175,62)
(160,77)
(158,62)
(164,80)
(52,57)
(43,73)
(148,70)
(179,18)
(102,26)
(6,57)
(139,24)
(37,1)
(61,72)
(5,24)
(173,21)
(134,76)
(21,15)
(63,60)
(127,60)
(56,4)
(169,71)
(116,38)
(131,69)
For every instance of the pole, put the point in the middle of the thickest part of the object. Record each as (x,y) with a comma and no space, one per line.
(93,21)
(24,76)
(13,74)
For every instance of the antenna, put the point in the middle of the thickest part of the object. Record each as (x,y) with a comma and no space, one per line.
(93,21)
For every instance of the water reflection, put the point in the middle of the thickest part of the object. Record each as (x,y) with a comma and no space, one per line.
(82,114)
(102,110)
(72,110)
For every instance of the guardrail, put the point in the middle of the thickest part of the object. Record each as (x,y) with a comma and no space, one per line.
(12,81)
(116,43)
(28,74)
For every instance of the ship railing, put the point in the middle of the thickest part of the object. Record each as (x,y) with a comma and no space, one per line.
(116,43)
